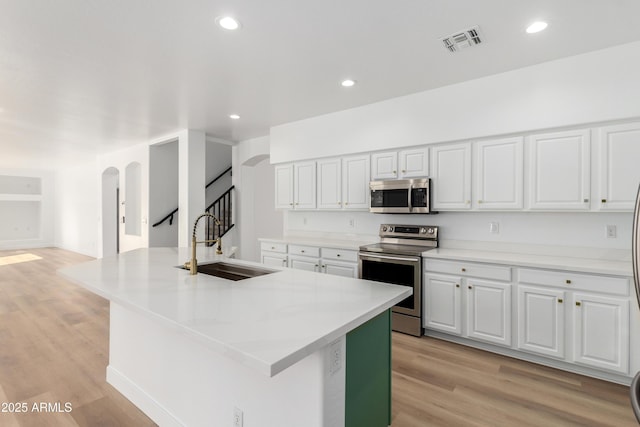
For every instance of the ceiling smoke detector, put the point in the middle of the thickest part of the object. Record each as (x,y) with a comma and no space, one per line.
(462,39)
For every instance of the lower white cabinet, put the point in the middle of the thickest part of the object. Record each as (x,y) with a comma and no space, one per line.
(541,320)
(468,306)
(565,317)
(601,332)
(338,262)
(273,254)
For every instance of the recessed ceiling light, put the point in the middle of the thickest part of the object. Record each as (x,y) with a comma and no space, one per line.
(228,23)
(348,83)
(234,116)
(536,27)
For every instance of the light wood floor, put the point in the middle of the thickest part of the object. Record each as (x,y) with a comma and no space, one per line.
(54,348)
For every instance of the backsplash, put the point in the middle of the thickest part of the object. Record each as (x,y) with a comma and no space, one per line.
(533,228)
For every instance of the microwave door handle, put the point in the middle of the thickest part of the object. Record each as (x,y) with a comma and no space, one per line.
(409,198)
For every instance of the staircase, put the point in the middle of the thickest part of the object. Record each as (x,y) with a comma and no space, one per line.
(221,208)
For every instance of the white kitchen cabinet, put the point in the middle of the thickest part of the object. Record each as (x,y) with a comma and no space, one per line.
(442,303)
(489,311)
(384,165)
(601,331)
(304,185)
(273,254)
(355,182)
(410,163)
(451,177)
(304,263)
(337,268)
(619,174)
(284,186)
(295,186)
(559,170)
(499,173)
(329,183)
(468,306)
(541,320)
(414,163)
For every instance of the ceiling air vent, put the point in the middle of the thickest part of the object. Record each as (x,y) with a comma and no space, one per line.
(462,39)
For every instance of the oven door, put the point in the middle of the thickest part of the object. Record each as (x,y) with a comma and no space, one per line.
(398,270)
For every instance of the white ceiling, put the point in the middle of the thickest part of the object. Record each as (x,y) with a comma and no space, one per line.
(80,77)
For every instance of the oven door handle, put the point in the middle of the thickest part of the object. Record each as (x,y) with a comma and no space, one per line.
(389,257)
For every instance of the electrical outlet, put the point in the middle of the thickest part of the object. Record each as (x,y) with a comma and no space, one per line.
(611,231)
(237,417)
(352,223)
(335,356)
(494,227)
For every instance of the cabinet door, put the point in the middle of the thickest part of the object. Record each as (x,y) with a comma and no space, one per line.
(619,169)
(601,332)
(489,311)
(284,186)
(499,174)
(329,184)
(304,263)
(384,165)
(355,182)
(304,185)
(340,268)
(541,320)
(441,303)
(414,163)
(559,170)
(273,259)
(451,172)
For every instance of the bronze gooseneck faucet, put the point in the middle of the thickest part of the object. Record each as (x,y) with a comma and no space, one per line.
(193,264)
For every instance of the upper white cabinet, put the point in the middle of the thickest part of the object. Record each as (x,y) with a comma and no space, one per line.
(451,177)
(384,165)
(304,185)
(355,182)
(400,164)
(284,186)
(414,163)
(295,186)
(329,183)
(619,150)
(559,170)
(498,179)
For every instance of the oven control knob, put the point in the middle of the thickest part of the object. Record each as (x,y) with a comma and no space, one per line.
(390,229)
(423,230)
(430,231)
(384,228)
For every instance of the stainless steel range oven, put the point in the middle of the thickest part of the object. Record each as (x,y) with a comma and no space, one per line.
(397,259)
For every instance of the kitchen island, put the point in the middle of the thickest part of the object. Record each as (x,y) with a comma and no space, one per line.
(288,348)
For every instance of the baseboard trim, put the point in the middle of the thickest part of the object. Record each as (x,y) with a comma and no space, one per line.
(141,399)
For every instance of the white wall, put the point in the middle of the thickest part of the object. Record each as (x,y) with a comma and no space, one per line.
(26,208)
(163,193)
(254,179)
(77,209)
(218,160)
(593,87)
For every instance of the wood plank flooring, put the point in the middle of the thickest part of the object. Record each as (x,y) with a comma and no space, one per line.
(54,348)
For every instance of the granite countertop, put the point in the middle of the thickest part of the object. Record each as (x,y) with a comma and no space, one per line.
(267,323)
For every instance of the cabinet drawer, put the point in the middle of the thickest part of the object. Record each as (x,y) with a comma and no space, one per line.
(468,269)
(571,280)
(304,250)
(274,247)
(340,254)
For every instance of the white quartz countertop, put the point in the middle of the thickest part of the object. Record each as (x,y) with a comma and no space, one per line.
(267,322)
(557,262)
(325,242)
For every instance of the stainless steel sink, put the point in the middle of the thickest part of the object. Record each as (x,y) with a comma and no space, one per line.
(229,271)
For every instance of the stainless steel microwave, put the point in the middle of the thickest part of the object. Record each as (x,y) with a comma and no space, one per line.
(400,196)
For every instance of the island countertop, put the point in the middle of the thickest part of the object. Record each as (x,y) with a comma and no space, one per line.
(267,322)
